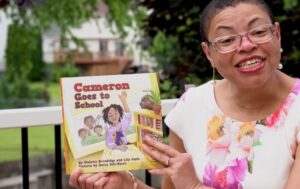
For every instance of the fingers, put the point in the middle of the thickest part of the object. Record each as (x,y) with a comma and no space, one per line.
(82,180)
(88,181)
(74,178)
(159,172)
(157,155)
(167,162)
(101,183)
(96,181)
(166,149)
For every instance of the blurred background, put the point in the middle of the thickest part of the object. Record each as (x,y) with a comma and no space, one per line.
(43,40)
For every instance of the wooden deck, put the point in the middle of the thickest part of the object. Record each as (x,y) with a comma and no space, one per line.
(97,64)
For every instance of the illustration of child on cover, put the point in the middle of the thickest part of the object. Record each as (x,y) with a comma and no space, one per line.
(89,122)
(91,132)
(87,139)
(98,130)
(118,119)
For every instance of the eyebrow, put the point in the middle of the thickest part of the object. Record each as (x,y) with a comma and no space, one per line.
(253,20)
(228,27)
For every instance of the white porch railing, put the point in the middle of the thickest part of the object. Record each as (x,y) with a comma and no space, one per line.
(29,117)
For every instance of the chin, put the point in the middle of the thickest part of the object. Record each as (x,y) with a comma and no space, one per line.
(254,83)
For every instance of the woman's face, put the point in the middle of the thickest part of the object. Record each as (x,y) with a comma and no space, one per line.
(250,65)
(113,115)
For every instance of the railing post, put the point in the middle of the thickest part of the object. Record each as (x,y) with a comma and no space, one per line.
(148,178)
(25,159)
(58,162)
(45,116)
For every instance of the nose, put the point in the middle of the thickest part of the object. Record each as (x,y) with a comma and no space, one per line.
(246,44)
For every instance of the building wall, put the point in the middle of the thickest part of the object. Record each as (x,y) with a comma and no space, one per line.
(89,30)
(3,33)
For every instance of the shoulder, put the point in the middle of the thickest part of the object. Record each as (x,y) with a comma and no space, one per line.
(194,99)
(199,93)
(296,105)
(203,87)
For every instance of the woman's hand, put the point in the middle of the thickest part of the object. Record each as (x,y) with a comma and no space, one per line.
(113,180)
(179,166)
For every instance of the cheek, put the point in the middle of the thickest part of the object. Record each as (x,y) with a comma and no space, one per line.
(220,60)
(275,58)
(274,54)
(223,63)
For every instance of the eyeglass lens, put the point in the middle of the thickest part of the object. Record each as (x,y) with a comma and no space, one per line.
(258,35)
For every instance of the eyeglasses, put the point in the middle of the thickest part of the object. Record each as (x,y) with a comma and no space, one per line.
(258,35)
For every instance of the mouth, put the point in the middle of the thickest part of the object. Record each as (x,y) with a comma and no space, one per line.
(251,65)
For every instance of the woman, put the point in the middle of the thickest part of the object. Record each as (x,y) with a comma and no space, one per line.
(246,130)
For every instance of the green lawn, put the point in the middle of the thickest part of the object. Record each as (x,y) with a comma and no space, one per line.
(41,139)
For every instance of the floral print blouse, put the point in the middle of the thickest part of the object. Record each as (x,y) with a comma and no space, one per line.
(235,155)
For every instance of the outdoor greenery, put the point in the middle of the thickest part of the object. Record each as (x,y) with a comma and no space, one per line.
(170,33)
(23,63)
(41,141)
(24,46)
(174,33)
(24,52)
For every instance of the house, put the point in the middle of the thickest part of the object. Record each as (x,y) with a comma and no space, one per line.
(3,34)
(107,48)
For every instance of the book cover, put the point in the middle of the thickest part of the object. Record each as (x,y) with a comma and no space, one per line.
(105,120)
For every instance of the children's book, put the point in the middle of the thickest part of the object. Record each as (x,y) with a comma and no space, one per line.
(105,120)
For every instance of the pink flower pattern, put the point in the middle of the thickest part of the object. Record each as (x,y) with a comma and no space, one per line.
(229,177)
(230,154)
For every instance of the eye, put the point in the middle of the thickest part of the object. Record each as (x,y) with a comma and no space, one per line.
(226,40)
(261,31)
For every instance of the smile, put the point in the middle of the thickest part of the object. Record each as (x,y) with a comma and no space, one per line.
(250,63)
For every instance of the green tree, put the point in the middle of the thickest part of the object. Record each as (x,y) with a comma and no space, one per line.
(178,20)
(31,18)
(24,52)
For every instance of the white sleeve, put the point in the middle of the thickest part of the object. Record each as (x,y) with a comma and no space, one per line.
(298,134)
(175,118)
(295,115)
(295,119)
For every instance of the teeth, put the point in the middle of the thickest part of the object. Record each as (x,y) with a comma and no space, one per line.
(250,62)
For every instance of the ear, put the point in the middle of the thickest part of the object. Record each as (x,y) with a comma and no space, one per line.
(277,31)
(206,49)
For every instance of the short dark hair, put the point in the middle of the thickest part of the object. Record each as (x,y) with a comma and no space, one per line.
(106,110)
(216,6)
(81,130)
(88,117)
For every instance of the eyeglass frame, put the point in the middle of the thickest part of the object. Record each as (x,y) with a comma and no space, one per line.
(213,43)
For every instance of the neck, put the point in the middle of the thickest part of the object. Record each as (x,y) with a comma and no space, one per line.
(248,104)
(274,90)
